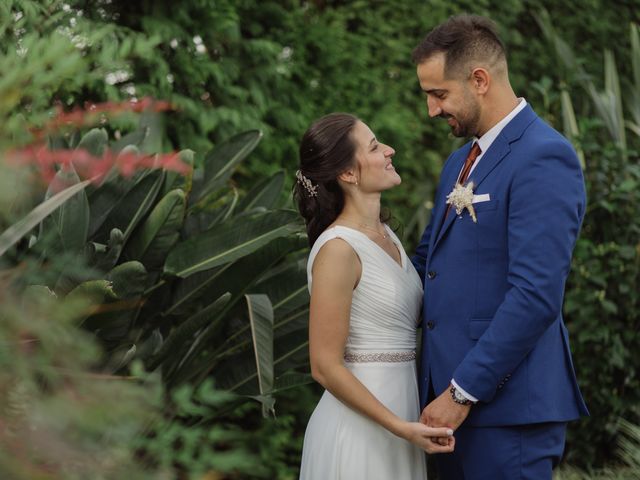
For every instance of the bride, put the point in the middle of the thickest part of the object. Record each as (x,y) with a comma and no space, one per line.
(365,303)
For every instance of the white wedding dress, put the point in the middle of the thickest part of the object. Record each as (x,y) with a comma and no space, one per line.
(339,443)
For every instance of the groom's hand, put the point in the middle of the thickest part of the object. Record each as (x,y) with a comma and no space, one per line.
(444,412)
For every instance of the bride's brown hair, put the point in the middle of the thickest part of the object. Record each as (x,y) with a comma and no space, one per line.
(327,149)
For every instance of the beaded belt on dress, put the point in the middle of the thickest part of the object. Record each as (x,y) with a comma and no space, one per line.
(379,357)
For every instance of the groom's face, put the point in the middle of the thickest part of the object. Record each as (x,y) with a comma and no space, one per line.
(451,99)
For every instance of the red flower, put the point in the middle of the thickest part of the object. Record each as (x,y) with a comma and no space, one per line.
(48,162)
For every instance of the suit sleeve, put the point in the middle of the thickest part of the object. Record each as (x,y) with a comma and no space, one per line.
(419,260)
(545,209)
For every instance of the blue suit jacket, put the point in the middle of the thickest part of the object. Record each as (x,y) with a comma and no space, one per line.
(493,290)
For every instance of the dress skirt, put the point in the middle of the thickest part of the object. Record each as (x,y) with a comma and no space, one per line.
(342,444)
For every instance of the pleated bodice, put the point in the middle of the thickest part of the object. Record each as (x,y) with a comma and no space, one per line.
(387,301)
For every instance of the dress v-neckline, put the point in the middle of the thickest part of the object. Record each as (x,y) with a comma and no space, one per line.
(402,264)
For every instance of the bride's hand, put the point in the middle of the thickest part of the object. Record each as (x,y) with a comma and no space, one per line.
(424,437)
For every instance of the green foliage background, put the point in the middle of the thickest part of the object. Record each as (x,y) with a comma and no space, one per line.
(229,66)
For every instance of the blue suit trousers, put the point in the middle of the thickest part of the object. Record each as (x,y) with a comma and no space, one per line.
(523,452)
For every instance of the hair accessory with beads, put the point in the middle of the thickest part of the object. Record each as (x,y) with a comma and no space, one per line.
(306,183)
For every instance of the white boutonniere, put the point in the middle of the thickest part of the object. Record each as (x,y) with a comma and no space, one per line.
(461,197)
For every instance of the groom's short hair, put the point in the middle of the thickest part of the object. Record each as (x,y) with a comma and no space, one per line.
(464,39)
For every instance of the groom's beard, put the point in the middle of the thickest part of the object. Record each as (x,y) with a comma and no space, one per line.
(458,128)
(466,123)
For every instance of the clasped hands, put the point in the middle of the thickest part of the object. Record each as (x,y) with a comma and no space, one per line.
(444,412)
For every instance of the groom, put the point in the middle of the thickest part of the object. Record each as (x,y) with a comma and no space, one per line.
(496,364)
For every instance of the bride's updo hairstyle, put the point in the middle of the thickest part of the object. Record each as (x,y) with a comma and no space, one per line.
(327,150)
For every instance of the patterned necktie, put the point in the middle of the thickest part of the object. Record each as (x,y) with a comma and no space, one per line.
(468,163)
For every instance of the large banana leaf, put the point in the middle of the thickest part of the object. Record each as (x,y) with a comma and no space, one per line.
(287,289)
(94,141)
(115,313)
(184,333)
(291,351)
(96,292)
(67,227)
(261,321)
(134,138)
(235,239)
(107,259)
(222,213)
(291,380)
(570,125)
(14,233)
(286,285)
(635,54)
(239,373)
(111,191)
(235,277)
(264,194)
(160,231)
(152,122)
(188,291)
(135,204)
(129,279)
(634,104)
(176,180)
(237,280)
(220,162)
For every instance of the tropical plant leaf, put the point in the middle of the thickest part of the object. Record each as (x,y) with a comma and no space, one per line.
(264,194)
(176,180)
(150,346)
(237,277)
(612,88)
(94,141)
(294,321)
(630,444)
(106,260)
(160,231)
(121,357)
(133,139)
(184,333)
(135,204)
(128,279)
(110,192)
(188,291)
(240,374)
(291,380)
(235,239)
(634,104)
(220,162)
(223,213)
(570,125)
(19,229)
(94,292)
(67,227)
(151,121)
(261,321)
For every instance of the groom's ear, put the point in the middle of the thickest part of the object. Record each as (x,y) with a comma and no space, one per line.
(480,80)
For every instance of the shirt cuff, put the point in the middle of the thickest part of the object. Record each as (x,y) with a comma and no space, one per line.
(464,393)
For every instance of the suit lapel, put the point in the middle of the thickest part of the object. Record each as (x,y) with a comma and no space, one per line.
(448,184)
(498,150)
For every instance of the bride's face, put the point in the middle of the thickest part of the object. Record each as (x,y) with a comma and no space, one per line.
(376,170)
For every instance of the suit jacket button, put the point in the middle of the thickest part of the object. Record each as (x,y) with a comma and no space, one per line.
(430,325)
(431,275)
